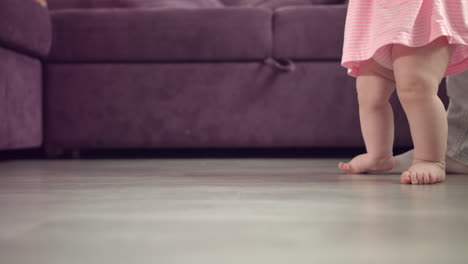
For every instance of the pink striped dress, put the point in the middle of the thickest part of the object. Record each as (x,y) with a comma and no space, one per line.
(373,25)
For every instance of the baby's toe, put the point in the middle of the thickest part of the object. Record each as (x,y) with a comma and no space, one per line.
(341,165)
(414,178)
(420,176)
(427,178)
(345,167)
(405,178)
(350,168)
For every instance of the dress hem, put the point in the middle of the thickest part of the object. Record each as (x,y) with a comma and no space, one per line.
(353,64)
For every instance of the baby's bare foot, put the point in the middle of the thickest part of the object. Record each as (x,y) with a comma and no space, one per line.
(366,163)
(424,172)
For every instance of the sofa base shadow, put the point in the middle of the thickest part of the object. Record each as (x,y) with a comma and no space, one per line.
(203,153)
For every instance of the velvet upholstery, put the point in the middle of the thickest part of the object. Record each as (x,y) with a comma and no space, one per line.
(20,101)
(170,34)
(204,105)
(299,32)
(72,4)
(25,26)
(278,3)
(69,4)
(174,3)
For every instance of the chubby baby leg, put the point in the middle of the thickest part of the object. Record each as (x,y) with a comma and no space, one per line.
(375,84)
(418,73)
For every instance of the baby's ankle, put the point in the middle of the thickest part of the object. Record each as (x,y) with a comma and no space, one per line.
(381,157)
(440,163)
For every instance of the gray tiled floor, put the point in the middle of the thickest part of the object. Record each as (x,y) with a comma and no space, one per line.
(225,211)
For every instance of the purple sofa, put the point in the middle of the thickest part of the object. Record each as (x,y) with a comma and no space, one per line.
(25,38)
(198,73)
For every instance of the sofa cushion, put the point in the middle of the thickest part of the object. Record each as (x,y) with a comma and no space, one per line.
(204,105)
(25,26)
(308,33)
(278,3)
(70,4)
(161,35)
(64,4)
(174,3)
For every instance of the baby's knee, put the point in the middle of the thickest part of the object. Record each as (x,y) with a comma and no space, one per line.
(373,100)
(413,89)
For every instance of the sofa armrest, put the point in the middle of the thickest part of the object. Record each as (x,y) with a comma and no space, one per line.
(25,27)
